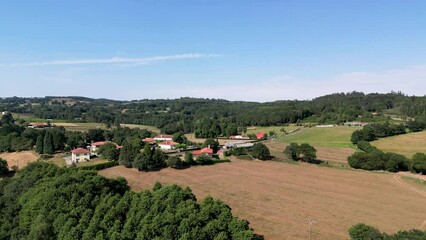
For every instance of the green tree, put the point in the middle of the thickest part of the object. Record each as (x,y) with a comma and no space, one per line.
(175,162)
(189,158)
(362,231)
(39,144)
(419,163)
(3,167)
(292,151)
(213,144)
(179,137)
(48,145)
(109,151)
(308,152)
(260,151)
(127,154)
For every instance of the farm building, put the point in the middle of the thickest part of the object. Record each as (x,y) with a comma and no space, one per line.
(80,155)
(163,137)
(239,137)
(237,144)
(356,124)
(167,145)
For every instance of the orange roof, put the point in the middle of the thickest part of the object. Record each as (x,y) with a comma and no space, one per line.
(148,140)
(100,143)
(205,150)
(80,150)
(118,146)
(171,143)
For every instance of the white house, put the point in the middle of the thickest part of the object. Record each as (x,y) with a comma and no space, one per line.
(80,155)
(163,137)
(167,145)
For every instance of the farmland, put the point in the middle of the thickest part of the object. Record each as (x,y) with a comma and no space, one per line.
(277,198)
(406,144)
(19,159)
(339,136)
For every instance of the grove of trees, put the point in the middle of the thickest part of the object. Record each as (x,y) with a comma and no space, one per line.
(304,152)
(44,201)
(362,231)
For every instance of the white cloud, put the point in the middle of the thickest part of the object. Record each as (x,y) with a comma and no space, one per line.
(410,80)
(113,60)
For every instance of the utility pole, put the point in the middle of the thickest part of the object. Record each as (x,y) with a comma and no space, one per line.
(311,222)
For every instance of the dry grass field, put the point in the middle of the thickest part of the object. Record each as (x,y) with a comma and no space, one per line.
(331,154)
(277,198)
(19,159)
(406,144)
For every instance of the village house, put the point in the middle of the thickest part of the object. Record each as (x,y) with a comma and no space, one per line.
(96,145)
(167,145)
(150,141)
(260,135)
(80,155)
(163,137)
(207,151)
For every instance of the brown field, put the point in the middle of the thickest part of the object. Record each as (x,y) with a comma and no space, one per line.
(19,159)
(406,144)
(277,198)
(333,154)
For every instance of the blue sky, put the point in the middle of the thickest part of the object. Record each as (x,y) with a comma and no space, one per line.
(259,50)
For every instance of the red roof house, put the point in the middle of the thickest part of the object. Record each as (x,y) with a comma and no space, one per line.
(205,151)
(167,145)
(260,135)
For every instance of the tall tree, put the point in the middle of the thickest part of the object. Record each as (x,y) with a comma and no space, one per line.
(48,145)
(39,144)
(3,167)
(127,154)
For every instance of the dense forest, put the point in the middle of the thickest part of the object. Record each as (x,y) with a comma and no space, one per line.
(44,201)
(215,117)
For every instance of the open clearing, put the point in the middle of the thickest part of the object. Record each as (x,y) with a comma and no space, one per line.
(277,198)
(406,144)
(19,159)
(338,136)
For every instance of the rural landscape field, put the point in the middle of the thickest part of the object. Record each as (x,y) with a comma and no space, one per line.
(213,120)
(277,198)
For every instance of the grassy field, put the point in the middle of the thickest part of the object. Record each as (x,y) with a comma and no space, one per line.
(277,198)
(20,159)
(150,128)
(339,136)
(272,128)
(406,144)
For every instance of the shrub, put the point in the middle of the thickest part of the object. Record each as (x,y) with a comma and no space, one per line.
(362,231)
(175,162)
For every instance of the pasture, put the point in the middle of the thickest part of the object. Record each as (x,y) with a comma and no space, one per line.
(339,136)
(406,144)
(19,159)
(277,129)
(277,198)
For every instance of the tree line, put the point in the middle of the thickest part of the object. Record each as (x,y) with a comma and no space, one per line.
(218,117)
(44,201)
(372,158)
(363,231)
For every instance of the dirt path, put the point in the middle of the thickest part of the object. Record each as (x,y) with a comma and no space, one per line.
(400,181)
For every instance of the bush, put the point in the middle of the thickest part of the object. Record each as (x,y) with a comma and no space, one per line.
(362,231)
(3,167)
(260,151)
(419,163)
(204,160)
(175,162)
(100,166)
(46,156)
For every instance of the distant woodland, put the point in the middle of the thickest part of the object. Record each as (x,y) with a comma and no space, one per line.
(215,117)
